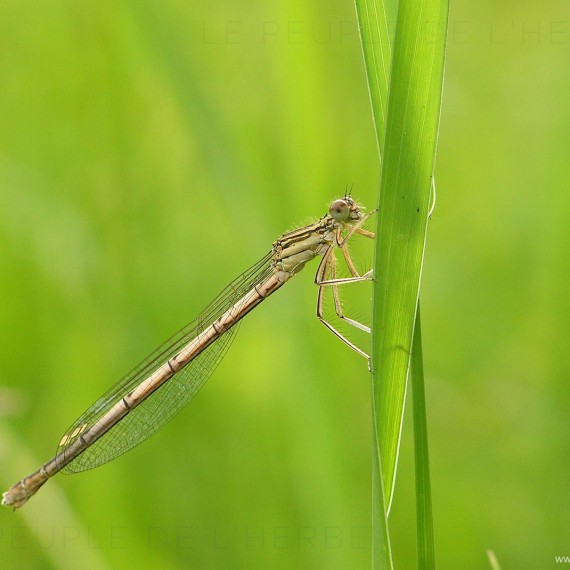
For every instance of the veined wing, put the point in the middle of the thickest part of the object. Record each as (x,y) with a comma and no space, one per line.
(151,414)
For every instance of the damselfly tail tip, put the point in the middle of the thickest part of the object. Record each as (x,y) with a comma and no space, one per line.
(17,496)
(13,498)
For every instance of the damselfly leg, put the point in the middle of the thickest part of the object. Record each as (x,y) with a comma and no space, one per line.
(327,278)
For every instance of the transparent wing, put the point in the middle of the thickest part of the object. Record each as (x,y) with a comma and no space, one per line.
(151,414)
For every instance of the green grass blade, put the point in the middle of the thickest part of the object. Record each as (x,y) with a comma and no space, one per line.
(426,549)
(409,151)
(373,17)
(406,178)
(376,41)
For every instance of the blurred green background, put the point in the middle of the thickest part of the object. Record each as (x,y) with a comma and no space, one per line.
(149,153)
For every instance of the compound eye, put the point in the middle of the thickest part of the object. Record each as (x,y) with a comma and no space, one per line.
(339,210)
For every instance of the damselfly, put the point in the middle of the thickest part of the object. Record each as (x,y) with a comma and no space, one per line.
(152,392)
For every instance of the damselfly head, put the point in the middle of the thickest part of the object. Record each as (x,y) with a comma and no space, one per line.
(345,210)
